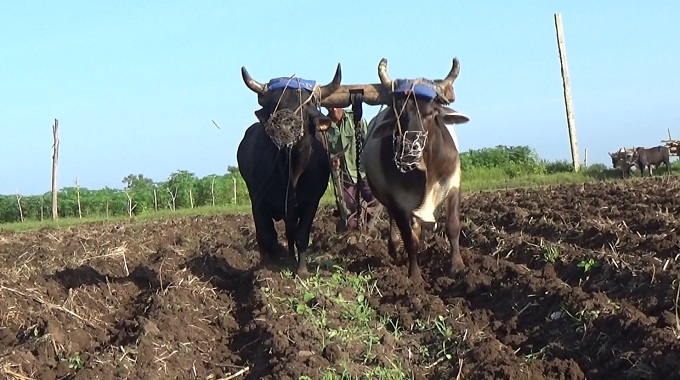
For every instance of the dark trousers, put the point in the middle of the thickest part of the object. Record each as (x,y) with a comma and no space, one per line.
(349,196)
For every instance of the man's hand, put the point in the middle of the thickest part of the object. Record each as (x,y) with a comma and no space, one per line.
(335,163)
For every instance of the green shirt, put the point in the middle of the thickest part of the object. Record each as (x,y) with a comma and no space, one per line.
(342,135)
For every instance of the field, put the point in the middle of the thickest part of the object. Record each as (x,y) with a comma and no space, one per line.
(570,281)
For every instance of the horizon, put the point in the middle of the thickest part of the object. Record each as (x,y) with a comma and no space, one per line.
(136,87)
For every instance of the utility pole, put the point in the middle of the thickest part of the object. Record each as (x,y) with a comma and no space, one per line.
(567,92)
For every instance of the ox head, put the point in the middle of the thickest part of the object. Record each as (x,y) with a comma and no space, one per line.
(417,109)
(622,157)
(615,159)
(290,106)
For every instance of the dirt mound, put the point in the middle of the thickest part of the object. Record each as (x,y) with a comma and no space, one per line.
(568,282)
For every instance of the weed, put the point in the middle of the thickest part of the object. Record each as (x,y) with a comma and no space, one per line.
(587,265)
(551,253)
(337,307)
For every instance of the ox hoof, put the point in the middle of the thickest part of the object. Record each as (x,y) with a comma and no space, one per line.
(456,269)
(303,273)
(417,279)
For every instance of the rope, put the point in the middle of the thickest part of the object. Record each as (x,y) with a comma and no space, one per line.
(357,99)
(407,152)
(280,117)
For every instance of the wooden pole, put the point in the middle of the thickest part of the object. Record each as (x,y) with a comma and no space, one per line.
(21,211)
(671,139)
(567,92)
(585,157)
(80,210)
(55,164)
(234,180)
(155,200)
(212,190)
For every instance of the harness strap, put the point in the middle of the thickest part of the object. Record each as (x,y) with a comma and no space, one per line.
(335,182)
(357,100)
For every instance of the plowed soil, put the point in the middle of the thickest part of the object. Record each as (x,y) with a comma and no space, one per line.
(568,282)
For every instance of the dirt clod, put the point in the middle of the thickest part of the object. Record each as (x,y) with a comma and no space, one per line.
(560,283)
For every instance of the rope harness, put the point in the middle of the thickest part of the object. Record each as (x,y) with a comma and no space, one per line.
(408,145)
(408,151)
(285,128)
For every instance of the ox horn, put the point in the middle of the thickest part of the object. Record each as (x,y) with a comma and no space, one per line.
(251,83)
(447,82)
(327,90)
(383,75)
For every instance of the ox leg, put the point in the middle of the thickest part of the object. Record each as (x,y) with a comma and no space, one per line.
(291,220)
(302,237)
(291,228)
(453,227)
(265,233)
(393,239)
(411,243)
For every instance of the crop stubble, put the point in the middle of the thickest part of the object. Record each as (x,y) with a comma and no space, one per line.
(570,282)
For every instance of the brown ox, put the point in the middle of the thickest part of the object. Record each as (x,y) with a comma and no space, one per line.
(645,158)
(412,164)
(623,159)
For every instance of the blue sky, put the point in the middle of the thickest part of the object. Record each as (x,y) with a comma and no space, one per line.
(135,85)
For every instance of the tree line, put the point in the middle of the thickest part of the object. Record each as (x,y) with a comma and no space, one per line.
(183,189)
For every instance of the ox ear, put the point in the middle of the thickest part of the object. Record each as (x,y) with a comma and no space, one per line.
(261,115)
(322,123)
(456,118)
(451,116)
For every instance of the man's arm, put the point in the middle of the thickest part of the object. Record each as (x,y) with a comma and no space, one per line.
(334,142)
(364,127)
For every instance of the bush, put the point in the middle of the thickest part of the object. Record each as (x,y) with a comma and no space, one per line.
(561,166)
(510,161)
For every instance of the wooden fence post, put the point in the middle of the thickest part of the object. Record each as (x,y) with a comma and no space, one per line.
(55,164)
(585,157)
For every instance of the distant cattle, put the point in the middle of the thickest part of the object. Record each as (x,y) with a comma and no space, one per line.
(623,159)
(283,162)
(411,158)
(645,158)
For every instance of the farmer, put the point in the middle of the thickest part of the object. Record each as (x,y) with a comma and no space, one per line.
(341,136)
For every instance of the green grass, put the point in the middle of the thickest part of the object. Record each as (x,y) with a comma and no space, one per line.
(337,309)
(492,179)
(30,225)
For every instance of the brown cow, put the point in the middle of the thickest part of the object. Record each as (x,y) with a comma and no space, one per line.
(623,159)
(411,161)
(645,158)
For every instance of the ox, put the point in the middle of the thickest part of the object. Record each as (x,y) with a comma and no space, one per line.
(624,160)
(411,161)
(646,157)
(283,162)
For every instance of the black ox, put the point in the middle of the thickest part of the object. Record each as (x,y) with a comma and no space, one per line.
(646,157)
(283,162)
